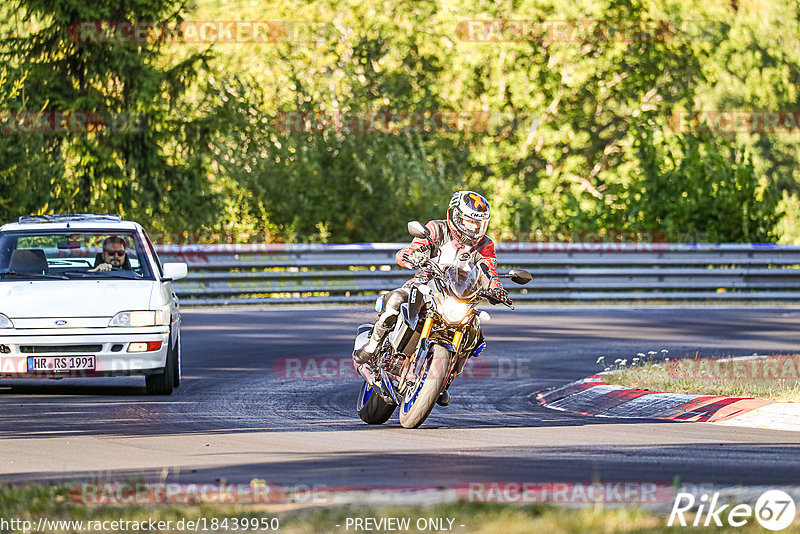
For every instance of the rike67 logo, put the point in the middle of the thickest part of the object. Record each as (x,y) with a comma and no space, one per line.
(774,510)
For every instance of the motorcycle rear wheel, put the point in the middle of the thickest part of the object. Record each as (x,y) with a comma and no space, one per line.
(372,409)
(417,404)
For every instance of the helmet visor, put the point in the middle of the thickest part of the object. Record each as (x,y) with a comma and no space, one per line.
(470,230)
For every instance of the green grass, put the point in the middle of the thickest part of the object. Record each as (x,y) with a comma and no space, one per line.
(769,378)
(54,502)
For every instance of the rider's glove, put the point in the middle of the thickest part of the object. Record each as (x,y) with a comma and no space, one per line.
(424,273)
(415,259)
(499,294)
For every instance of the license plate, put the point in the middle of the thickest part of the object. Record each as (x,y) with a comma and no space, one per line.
(58,364)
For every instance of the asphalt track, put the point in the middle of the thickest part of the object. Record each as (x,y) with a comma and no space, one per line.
(237,416)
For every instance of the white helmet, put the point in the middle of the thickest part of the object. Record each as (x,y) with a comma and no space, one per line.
(468,216)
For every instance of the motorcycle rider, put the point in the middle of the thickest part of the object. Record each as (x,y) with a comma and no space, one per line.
(464,231)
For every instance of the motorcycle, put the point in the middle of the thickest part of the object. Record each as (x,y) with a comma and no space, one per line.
(437,331)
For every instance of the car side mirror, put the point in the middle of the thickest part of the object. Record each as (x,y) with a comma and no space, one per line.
(416,229)
(175,271)
(520,276)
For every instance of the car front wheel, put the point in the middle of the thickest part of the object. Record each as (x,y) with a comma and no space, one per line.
(177,361)
(163,383)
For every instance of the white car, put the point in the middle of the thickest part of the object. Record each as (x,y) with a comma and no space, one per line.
(86,296)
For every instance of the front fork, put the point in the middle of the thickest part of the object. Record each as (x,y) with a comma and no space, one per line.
(454,362)
(411,363)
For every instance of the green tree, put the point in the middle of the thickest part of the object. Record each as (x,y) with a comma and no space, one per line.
(692,186)
(563,150)
(340,186)
(149,164)
(30,165)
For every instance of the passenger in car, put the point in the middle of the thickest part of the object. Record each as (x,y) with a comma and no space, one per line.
(114,255)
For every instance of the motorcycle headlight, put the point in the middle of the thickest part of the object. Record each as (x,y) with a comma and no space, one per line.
(140,318)
(5,322)
(453,311)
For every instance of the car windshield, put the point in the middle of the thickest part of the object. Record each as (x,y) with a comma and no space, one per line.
(72,255)
(464,279)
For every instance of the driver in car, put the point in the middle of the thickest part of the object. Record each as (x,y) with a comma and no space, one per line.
(114,255)
(464,232)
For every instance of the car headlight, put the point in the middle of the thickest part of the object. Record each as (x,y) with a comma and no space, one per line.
(453,310)
(140,318)
(5,322)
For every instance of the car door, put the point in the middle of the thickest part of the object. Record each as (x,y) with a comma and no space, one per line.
(168,289)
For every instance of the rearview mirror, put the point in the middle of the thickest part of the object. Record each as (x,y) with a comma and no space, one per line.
(416,229)
(175,271)
(520,276)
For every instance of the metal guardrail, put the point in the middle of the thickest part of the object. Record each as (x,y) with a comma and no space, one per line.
(266,274)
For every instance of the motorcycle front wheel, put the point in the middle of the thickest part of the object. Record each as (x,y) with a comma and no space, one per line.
(372,409)
(420,400)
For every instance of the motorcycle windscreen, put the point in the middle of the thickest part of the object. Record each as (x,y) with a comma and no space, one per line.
(464,279)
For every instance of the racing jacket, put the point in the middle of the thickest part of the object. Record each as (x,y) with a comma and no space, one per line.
(447,248)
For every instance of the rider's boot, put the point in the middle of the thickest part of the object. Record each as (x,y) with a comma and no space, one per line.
(444,398)
(386,321)
(368,351)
